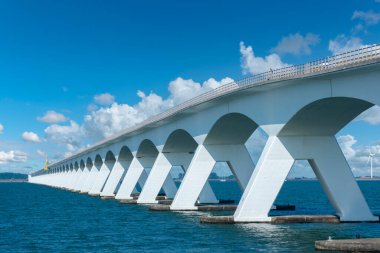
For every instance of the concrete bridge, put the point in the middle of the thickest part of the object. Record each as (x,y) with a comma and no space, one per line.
(300,108)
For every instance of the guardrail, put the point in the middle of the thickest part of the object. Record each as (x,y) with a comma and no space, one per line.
(361,56)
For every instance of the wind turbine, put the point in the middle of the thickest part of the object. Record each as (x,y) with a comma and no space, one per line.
(370,158)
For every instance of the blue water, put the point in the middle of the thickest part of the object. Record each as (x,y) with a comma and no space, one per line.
(36,218)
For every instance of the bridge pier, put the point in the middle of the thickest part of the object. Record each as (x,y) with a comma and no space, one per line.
(100,179)
(135,174)
(201,166)
(161,172)
(87,185)
(114,178)
(76,175)
(82,179)
(329,165)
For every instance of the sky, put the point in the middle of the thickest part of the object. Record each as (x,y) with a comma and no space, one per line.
(74,72)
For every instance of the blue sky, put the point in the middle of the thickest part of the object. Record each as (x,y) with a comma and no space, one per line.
(78,58)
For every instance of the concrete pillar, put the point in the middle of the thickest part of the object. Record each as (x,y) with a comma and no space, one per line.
(82,179)
(130,179)
(195,180)
(337,180)
(63,178)
(87,185)
(265,183)
(114,178)
(75,179)
(100,180)
(160,174)
(156,179)
(329,165)
(72,179)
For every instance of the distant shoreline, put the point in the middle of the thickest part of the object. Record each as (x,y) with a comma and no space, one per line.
(13,180)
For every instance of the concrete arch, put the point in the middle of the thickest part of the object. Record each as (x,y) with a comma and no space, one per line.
(324,116)
(89,163)
(223,143)
(116,169)
(232,128)
(147,149)
(76,165)
(110,159)
(125,154)
(82,164)
(180,141)
(98,161)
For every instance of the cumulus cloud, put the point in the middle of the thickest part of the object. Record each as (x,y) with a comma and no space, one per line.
(296,44)
(252,64)
(371,116)
(343,44)
(357,155)
(31,137)
(13,156)
(70,135)
(41,153)
(109,120)
(104,99)
(1,128)
(52,117)
(181,89)
(369,17)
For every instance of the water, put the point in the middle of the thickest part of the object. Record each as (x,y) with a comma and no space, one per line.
(41,219)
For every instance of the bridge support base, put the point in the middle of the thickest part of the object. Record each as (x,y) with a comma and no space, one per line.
(113,179)
(329,165)
(100,180)
(201,166)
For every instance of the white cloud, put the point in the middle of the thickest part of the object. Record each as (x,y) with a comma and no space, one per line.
(52,117)
(1,128)
(104,99)
(369,17)
(255,65)
(296,44)
(70,135)
(182,89)
(343,44)
(107,121)
(357,156)
(92,107)
(31,137)
(371,116)
(346,143)
(13,156)
(41,153)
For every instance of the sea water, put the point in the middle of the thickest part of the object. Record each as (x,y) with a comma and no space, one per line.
(36,218)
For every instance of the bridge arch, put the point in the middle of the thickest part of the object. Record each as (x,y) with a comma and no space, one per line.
(324,116)
(82,164)
(89,163)
(110,159)
(98,161)
(180,141)
(147,149)
(231,128)
(125,154)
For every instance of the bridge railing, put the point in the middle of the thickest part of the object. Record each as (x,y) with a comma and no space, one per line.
(345,60)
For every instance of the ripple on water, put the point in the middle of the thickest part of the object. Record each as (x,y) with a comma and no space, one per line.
(36,218)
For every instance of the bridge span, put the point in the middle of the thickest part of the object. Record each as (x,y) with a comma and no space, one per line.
(300,108)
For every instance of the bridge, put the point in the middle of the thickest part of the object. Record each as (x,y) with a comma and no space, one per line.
(300,108)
